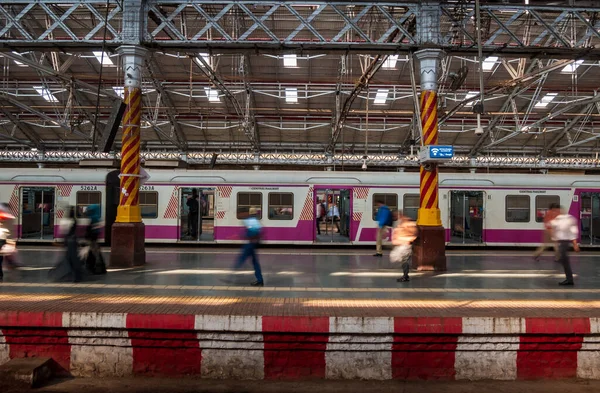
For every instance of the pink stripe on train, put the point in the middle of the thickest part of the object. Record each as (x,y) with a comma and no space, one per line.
(277,347)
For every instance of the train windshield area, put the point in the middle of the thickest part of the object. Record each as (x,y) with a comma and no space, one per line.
(590,218)
(197,214)
(37,213)
(333,216)
(466,217)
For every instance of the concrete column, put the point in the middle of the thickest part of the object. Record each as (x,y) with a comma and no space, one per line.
(128,233)
(429,249)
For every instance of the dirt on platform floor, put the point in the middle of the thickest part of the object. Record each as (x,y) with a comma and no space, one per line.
(159,385)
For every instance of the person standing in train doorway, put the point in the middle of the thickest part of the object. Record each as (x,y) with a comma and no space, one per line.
(253,232)
(565,232)
(194,207)
(550,215)
(384,221)
(319,214)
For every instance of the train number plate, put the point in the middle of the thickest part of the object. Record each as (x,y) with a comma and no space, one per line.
(146,188)
(89,188)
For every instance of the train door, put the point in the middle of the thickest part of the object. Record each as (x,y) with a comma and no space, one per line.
(590,218)
(199,226)
(466,217)
(335,226)
(38,208)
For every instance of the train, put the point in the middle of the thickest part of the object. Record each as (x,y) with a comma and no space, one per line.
(504,210)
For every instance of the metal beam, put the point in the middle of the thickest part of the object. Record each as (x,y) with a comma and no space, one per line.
(42,115)
(151,68)
(249,127)
(25,129)
(274,26)
(57,74)
(580,162)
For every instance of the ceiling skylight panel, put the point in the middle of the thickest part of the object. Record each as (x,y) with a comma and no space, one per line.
(45,93)
(381,96)
(104,60)
(546,100)
(489,63)
(211,94)
(290,60)
(390,62)
(291,95)
(570,68)
(18,62)
(470,94)
(119,90)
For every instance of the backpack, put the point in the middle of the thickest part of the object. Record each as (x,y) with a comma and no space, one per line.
(323,213)
(390,220)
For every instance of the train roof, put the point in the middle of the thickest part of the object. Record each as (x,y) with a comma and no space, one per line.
(195,176)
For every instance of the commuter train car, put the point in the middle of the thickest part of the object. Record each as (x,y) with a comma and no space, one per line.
(477,209)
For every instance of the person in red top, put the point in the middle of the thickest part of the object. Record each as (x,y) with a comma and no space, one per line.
(547,241)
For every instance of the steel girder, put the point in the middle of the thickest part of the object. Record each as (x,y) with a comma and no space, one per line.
(305,25)
(311,159)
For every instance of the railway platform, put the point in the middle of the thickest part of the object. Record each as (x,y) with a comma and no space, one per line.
(335,314)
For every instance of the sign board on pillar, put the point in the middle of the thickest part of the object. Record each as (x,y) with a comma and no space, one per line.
(436,153)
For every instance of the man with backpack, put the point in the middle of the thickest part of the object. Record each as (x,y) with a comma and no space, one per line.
(253,234)
(384,220)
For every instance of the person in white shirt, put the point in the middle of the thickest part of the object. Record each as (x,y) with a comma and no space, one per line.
(334,215)
(564,231)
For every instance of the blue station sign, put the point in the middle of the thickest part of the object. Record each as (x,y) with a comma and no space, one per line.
(436,153)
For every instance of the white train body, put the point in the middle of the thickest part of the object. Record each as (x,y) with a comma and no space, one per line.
(476,209)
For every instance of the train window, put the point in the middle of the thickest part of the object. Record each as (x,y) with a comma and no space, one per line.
(390,200)
(281,206)
(149,204)
(85,199)
(410,205)
(246,201)
(518,208)
(542,205)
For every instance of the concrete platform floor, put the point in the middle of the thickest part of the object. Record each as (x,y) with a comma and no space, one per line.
(182,385)
(321,273)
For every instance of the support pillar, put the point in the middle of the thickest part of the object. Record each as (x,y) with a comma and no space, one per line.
(128,233)
(429,250)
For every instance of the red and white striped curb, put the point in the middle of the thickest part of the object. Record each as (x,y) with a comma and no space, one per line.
(255,347)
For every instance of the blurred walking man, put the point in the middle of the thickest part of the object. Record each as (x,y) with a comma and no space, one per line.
(565,231)
(550,215)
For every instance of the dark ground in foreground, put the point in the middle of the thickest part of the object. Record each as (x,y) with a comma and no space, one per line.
(159,385)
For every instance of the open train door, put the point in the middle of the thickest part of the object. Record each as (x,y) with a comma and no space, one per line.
(37,213)
(204,223)
(113,187)
(466,217)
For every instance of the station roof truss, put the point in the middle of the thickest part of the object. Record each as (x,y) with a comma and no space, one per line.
(303,83)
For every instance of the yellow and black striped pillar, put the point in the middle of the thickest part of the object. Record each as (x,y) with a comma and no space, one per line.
(128,232)
(429,212)
(129,208)
(429,250)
